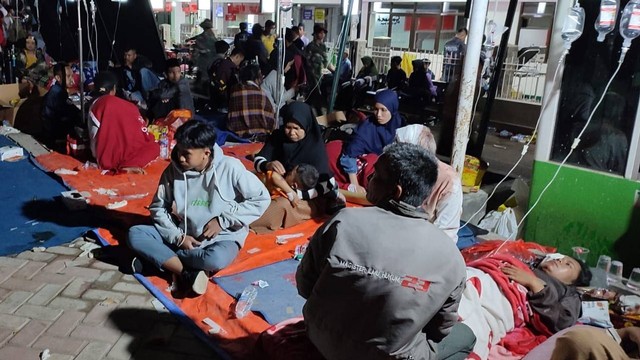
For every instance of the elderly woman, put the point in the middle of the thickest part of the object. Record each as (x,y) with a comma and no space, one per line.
(444,205)
(353,161)
(298,142)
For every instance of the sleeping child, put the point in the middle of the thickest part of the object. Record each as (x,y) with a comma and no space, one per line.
(286,208)
(508,304)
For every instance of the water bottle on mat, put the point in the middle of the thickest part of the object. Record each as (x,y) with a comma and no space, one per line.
(245,302)
(164,146)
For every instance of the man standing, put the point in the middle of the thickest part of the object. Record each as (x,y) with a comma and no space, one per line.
(242,37)
(301,34)
(316,54)
(382,282)
(454,50)
(346,70)
(204,51)
(223,78)
(172,93)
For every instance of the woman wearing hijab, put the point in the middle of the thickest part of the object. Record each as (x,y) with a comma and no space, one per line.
(444,205)
(118,135)
(360,153)
(300,141)
(368,68)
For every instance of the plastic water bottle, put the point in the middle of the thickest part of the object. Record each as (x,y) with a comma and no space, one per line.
(630,22)
(164,145)
(606,21)
(573,25)
(245,302)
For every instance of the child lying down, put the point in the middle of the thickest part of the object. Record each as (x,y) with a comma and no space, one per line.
(506,302)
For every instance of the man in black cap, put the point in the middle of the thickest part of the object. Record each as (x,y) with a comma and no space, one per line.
(204,51)
(316,54)
(242,37)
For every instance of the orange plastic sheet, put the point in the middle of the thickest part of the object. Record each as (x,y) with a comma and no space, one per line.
(238,336)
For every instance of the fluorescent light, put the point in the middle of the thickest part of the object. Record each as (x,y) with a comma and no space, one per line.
(204,4)
(268,6)
(541,7)
(157,4)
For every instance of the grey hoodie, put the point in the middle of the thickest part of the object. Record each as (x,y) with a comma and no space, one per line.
(225,190)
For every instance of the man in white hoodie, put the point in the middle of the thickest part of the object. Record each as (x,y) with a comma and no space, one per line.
(201,211)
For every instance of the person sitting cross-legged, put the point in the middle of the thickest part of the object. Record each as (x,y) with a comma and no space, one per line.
(201,211)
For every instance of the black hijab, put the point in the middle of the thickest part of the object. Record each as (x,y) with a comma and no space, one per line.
(310,150)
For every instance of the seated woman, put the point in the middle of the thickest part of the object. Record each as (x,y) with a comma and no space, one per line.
(421,87)
(396,77)
(357,157)
(29,56)
(368,68)
(118,135)
(300,142)
(504,295)
(444,205)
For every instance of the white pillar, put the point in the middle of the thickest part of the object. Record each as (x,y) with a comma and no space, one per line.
(469,82)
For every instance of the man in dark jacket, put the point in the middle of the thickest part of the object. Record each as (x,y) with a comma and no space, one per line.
(138,76)
(59,115)
(242,37)
(172,93)
(383,282)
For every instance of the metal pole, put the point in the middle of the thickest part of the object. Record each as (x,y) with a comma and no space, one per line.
(81,60)
(478,145)
(468,84)
(343,40)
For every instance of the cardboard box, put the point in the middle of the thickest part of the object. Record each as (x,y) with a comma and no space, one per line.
(332,118)
(9,102)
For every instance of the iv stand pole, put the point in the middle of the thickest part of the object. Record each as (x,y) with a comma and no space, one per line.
(81,60)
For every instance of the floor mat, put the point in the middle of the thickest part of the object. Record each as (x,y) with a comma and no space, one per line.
(276,302)
(30,215)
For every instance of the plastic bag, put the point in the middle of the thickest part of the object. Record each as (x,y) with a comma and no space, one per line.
(502,223)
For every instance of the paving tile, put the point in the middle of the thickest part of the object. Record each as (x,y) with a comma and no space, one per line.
(11,262)
(30,333)
(129,278)
(46,294)
(64,250)
(96,333)
(10,352)
(51,278)
(65,303)
(130,287)
(21,284)
(5,335)
(6,273)
(12,302)
(29,270)
(81,272)
(39,312)
(108,277)
(36,256)
(100,312)
(76,288)
(94,294)
(59,345)
(66,323)
(124,347)
(94,350)
(104,266)
(56,266)
(13,322)
(79,261)
(4,293)
(60,357)
(137,301)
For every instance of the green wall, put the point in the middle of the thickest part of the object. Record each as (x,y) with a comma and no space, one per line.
(586,208)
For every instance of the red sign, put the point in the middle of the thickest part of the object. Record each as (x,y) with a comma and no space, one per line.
(167,6)
(230,17)
(243,9)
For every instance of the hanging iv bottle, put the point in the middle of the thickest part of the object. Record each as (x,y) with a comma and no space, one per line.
(606,21)
(573,25)
(630,22)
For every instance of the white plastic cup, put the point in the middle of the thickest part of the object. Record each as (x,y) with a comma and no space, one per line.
(580,253)
(634,279)
(604,263)
(615,273)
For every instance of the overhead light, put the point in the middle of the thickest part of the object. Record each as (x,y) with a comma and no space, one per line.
(157,4)
(204,5)
(354,8)
(541,7)
(268,6)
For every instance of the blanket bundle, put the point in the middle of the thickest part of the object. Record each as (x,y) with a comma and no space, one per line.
(497,310)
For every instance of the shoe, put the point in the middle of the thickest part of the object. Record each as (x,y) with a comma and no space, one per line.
(197,280)
(136,266)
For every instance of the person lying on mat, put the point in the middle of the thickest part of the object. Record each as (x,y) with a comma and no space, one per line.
(300,141)
(201,211)
(508,303)
(444,205)
(118,135)
(371,136)
(380,281)
(286,208)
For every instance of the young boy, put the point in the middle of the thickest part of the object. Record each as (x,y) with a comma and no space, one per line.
(201,211)
(286,209)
